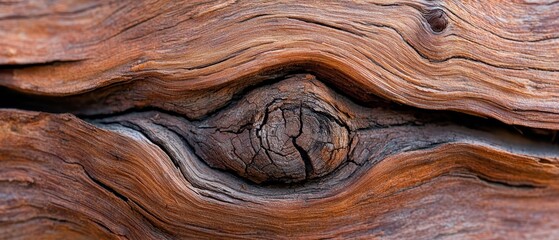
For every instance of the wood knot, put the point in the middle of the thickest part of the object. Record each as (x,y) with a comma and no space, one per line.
(284,134)
(437,20)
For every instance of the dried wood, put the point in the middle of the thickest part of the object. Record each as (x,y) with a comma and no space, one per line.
(279,119)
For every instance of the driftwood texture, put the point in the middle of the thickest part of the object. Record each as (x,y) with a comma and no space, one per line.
(279,119)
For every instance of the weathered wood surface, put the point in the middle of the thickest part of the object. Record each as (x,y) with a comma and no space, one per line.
(279,119)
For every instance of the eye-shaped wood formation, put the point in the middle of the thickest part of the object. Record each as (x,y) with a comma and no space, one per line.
(299,129)
(279,119)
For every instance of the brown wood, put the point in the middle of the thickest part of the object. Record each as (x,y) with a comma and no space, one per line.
(279,119)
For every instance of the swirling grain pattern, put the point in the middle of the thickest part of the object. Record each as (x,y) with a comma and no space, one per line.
(497,58)
(420,119)
(66,176)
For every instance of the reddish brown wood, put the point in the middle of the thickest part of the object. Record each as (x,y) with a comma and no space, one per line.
(279,119)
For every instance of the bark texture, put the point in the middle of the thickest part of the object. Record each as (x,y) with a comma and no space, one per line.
(279,119)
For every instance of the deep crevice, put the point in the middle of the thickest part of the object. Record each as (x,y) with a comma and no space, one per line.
(489,181)
(5,68)
(309,169)
(106,187)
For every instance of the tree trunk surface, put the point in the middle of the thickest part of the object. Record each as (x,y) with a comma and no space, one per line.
(279,119)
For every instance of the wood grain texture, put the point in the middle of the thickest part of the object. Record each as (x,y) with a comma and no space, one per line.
(279,119)
(499,62)
(60,171)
